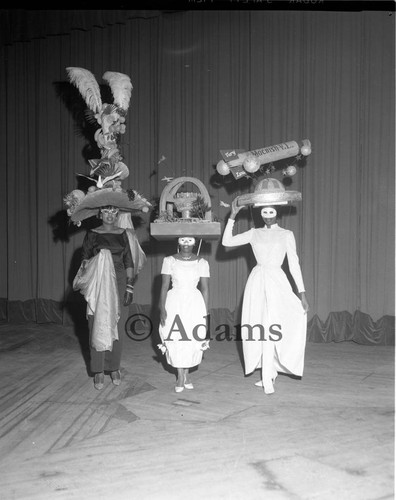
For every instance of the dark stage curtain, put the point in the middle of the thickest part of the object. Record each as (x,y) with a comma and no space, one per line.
(205,81)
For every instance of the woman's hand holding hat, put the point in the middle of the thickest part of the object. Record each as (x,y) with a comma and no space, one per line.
(235,208)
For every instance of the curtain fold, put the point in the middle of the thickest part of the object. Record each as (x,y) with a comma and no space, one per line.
(205,81)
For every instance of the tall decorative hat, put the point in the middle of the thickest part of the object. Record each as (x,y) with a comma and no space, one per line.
(109,170)
(269,191)
(184,213)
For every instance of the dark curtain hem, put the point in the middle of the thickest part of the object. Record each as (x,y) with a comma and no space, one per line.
(357,327)
(338,327)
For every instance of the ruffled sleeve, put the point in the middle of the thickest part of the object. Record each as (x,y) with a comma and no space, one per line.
(203,266)
(167,265)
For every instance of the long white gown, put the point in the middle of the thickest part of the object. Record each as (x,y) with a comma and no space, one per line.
(186,310)
(270,301)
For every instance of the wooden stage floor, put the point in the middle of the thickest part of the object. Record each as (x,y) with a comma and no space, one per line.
(329,436)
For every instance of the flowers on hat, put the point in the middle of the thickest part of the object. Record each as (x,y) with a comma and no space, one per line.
(73,199)
(109,170)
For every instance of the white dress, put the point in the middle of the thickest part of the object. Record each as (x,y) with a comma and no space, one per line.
(186,310)
(269,301)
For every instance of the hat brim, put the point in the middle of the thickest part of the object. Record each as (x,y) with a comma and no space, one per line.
(104,197)
(269,198)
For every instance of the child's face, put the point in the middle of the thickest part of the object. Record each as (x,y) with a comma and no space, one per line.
(186,241)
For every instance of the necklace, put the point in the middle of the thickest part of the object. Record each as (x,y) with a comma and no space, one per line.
(186,258)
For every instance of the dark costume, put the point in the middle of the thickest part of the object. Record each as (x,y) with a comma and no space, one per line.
(118,245)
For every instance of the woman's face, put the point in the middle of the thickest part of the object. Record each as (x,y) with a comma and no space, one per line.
(269,215)
(109,214)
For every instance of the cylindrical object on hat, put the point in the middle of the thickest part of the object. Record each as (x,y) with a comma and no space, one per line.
(269,153)
(235,158)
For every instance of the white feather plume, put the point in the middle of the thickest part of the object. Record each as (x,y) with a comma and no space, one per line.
(86,83)
(121,87)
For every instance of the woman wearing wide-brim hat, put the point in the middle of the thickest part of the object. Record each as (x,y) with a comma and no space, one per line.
(112,256)
(111,260)
(274,319)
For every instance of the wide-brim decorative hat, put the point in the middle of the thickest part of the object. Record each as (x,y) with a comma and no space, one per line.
(82,206)
(269,192)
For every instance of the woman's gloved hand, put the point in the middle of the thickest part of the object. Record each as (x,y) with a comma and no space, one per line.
(128,295)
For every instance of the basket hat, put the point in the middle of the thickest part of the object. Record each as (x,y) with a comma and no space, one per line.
(269,191)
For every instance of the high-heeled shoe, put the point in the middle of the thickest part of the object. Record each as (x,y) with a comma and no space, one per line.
(267,386)
(116,377)
(188,385)
(99,381)
(259,383)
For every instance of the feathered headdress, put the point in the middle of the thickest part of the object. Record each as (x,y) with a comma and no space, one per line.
(121,88)
(111,118)
(107,172)
(86,83)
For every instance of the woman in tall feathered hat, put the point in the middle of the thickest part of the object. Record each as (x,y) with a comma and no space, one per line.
(274,319)
(111,255)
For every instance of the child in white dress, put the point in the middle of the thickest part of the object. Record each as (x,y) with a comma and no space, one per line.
(183,310)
